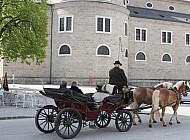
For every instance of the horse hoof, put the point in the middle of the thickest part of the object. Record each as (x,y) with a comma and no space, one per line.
(178,122)
(140,121)
(160,119)
(134,124)
(150,125)
(154,121)
(164,125)
(170,123)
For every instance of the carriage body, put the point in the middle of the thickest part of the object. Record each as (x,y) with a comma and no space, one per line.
(70,112)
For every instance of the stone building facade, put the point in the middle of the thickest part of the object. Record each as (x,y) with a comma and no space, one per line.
(150,38)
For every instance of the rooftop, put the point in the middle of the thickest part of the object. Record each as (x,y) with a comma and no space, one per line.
(158,15)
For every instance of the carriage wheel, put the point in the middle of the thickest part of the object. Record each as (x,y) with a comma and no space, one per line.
(123,121)
(68,123)
(103,119)
(45,117)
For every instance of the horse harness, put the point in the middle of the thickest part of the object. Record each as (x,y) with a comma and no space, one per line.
(177,94)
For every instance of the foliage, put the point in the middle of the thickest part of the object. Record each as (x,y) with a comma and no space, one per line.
(23,30)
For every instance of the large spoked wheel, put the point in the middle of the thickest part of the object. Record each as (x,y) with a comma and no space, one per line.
(123,121)
(103,119)
(68,123)
(45,117)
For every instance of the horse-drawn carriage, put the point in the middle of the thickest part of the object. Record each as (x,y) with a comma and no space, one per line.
(74,111)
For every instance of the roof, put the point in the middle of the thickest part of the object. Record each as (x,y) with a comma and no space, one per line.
(158,14)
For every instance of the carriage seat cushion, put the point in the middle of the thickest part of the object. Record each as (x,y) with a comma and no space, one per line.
(99,96)
(108,88)
(113,99)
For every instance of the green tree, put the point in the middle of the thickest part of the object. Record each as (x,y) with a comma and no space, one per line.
(23,30)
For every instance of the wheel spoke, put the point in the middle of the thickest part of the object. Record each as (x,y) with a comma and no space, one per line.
(45,125)
(74,126)
(71,129)
(68,131)
(43,114)
(51,125)
(43,122)
(62,128)
(41,119)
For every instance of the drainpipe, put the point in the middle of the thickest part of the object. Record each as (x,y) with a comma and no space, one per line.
(51,43)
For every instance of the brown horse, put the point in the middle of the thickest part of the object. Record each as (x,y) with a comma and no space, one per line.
(143,95)
(164,97)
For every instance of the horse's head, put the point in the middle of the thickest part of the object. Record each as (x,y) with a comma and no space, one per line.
(182,87)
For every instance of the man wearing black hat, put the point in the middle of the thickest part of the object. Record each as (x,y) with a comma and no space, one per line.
(117,76)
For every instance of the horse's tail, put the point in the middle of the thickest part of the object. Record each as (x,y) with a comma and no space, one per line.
(134,104)
(155,103)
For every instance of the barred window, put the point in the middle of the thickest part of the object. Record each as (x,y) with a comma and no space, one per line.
(140,56)
(103,50)
(103,24)
(187,39)
(126,53)
(64,50)
(65,24)
(126,29)
(166,58)
(140,34)
(166,37)
(188,59)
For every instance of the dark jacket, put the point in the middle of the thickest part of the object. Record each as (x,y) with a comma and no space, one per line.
(74,88)
(117,77)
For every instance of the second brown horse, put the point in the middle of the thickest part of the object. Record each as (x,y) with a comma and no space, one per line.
(143,95)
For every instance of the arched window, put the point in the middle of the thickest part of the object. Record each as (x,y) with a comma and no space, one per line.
(166,58)
(126,53)
(140,56)
(103,50)
(187,59)
(64,50)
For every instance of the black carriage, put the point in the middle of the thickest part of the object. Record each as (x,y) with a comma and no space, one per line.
(73,111)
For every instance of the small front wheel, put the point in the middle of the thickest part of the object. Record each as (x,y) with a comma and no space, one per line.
(123,121)
(68,123)
(103,119)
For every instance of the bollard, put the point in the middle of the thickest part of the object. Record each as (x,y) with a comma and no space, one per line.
(90,80)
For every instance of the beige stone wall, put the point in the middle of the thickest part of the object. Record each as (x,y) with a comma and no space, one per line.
(153,68)
(84,40)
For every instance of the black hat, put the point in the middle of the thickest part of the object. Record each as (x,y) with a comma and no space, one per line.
(117,62)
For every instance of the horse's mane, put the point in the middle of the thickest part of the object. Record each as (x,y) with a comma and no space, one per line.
(158,85)
(165,84)
(178,84)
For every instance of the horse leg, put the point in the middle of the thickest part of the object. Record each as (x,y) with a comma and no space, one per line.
(133,116)
(151,118)
(139,118)
(163,111)
(174,114)
(134,105)
(154,121)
